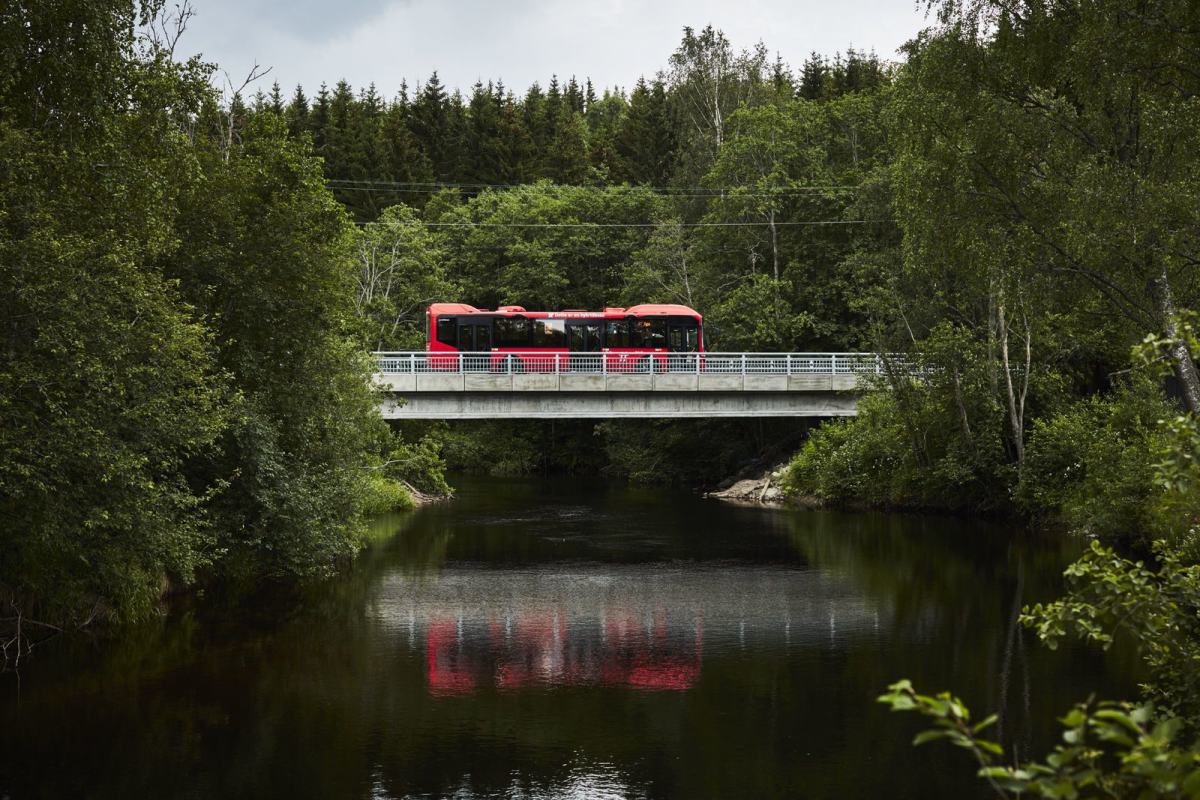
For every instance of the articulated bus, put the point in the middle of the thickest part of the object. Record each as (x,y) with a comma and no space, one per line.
(633,339)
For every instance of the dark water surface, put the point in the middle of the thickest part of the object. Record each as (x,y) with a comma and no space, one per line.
(537,639)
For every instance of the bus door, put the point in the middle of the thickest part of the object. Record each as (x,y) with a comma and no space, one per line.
(475,336)
(683,336)
(584,337)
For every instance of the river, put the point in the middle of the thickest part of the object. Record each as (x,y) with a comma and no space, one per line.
(568,639)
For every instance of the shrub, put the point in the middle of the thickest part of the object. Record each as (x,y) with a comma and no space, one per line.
(1092,464)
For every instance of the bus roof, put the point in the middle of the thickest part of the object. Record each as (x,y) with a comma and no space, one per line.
(643,310)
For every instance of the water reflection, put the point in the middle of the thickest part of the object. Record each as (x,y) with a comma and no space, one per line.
(546,640)
(636,626)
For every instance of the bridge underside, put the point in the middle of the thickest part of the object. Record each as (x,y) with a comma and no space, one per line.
(615,405)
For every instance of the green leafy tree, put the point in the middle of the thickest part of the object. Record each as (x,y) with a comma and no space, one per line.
(401,270)
(109,388)
(268,262)
(1074,132)
(708,81)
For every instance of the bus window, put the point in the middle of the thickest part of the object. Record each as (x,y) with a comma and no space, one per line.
(583,337)
(593,337)
(483,337)
(684,338)
(466,337)
(549,333)
(648,333)
(445,331)
(512,332)
(616,334)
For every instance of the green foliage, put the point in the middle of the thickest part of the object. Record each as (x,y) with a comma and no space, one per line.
(1054,156)
(183,389)
(401,270)
(508,249)
(108,386)
(842,460)
(1092,464)
(268,262)
(385,494)
(492,448)
(418,463)
(902,448)
(692,451)
(1108,750)
(1155,606)
(507,449)
(1108,594)
(1023,275)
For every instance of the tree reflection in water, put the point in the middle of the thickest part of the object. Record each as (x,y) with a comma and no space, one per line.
(546,639)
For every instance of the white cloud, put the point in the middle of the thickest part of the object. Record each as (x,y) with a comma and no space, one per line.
(610,41)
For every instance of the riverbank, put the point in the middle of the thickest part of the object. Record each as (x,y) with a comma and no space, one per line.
(759,488)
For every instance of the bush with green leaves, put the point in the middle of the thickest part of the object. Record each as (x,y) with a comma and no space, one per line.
(1108,595)
(1108,750)
(1091,465)
(932,436)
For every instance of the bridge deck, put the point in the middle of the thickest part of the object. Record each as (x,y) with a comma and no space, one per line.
(421,385)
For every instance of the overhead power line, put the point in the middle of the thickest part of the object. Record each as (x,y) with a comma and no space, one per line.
(426,187)
(619,224)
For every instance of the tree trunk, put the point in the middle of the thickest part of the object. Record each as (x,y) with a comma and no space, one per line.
(963,419)
(1015,418)
(1181,358)
(774,245)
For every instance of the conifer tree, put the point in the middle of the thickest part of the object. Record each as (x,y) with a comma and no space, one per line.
(483,159)
(320,120)
(431,127)
(297,114)
(814,76)
(645,143)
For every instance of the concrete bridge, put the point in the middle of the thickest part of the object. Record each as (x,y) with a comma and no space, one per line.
(425,385)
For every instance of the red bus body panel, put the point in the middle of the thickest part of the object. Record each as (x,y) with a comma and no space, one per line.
(542,359)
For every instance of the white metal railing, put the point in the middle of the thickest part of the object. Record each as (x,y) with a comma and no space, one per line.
(421,362)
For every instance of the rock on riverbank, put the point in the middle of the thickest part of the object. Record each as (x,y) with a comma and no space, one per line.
(764,489)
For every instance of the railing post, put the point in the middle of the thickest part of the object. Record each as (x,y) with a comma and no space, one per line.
(833,363)
(460,362)
(604,364)
(696,358)
(556,370)
(412,363)
(743,366)
(788,365)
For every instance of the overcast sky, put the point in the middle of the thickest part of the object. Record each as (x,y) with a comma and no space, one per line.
(518,41)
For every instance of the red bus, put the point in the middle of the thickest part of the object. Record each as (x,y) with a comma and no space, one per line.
(627,337)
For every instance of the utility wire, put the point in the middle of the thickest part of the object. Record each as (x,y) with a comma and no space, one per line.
(675,191)
(726,196)
(619,224)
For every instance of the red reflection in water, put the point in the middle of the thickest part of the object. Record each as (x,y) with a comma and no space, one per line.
(619,649)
